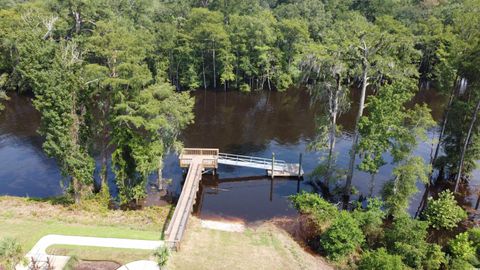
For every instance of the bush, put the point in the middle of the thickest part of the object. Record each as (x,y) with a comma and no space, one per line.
(474,237)
(444,213)
(161,254)
(342,238)
(245,88)
(459,264)
(380,259)
(462,248)
(318,208)
(407,239)
(371,221)
(11,253)
(435,257)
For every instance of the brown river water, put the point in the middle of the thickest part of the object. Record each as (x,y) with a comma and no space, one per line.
(250,124)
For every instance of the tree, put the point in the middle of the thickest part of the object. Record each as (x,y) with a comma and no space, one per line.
(390,127)
(397,192)
(58,97)
(462,248)
(380,54)
(325,76)
(117,52)
(342,238)
(444,213)
(406,238)
(145,128)
(380,259)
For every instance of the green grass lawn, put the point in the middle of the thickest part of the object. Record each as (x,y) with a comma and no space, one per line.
(28,232)
(118,255)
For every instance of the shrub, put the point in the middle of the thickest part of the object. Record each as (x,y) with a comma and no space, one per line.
(371,221)
(407,239)
(474,237)
(444,213)
(342,238)
(11,253)
(462,248)
(161,254)
(380,259)
(434,258)
(245,88)
(318,208)
(459,264)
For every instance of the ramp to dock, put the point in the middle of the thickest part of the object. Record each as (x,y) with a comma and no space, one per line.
(199,159)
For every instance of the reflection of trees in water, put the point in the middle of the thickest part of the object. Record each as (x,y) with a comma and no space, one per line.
(224,119)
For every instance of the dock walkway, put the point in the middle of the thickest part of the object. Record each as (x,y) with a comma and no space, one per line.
(199,159)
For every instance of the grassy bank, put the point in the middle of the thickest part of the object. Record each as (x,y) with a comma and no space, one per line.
(28,220)
(119,255)
(262,247)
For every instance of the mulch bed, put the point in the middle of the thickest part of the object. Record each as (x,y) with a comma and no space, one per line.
(97,265)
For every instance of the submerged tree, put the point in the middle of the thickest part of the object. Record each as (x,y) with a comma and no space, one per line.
(145,128)
(380,54)
(325,75)
(391,127)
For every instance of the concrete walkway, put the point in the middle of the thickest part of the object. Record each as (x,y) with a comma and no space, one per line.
(39,253)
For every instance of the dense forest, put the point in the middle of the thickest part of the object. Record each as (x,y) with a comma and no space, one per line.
(112,78)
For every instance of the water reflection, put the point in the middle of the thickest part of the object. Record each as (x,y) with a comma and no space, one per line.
(255,124)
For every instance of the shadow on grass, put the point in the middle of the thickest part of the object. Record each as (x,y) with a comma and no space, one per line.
(171,210)
(59,200)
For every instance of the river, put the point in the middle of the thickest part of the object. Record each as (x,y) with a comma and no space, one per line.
(257,124)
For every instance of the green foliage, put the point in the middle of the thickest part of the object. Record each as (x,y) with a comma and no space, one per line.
(245,88)
(474,236)
(398,192)
(462,248)
(435,257)
(380,259)
(370,220)
(342,238)
(406,238)
(11,253)
(459,264)
(161,254)
(318,208)
(444,212)
(146,127)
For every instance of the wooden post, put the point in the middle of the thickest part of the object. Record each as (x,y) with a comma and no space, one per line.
(273,164)
(300,165)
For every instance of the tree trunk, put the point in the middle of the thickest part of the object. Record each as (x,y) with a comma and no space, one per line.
(78,22)
(77,194)
(203,70)
(160,175)
(333,128)
(465,146)
(214,68)
(444,124)
(353,151)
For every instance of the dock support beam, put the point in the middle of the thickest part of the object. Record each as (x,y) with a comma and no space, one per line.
(273,165)
(300,165)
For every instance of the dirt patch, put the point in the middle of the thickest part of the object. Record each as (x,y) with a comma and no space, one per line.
(96,265)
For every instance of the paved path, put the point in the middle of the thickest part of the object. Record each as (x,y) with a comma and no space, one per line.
(40,254)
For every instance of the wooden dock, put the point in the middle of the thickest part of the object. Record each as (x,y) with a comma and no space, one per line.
(199,159)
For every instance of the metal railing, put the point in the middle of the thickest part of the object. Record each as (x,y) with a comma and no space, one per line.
(251,159)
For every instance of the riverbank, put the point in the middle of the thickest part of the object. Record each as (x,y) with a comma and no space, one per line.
(28,220)
(262,246)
